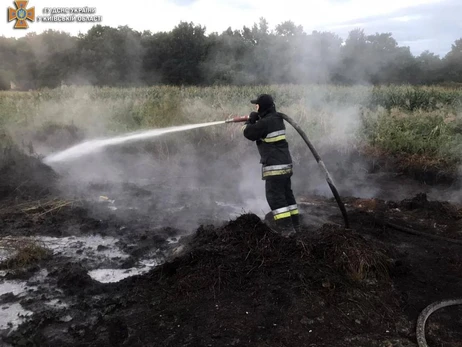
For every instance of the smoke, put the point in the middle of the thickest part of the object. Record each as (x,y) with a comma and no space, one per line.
(332,125)
(200,175)
(185,186)
(207,175)
(287,54)
(63,117)
(178,179)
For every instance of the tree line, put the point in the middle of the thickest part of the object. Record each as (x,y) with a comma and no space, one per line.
(121,56)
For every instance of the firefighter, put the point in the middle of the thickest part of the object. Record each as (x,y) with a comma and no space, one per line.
(266,127)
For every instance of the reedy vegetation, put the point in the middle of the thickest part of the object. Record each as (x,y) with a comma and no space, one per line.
(424,123)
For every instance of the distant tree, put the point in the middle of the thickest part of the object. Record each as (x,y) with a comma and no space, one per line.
(453,63)
(110,56)
(429,68)
(289,29)
(8,57)
(186,56)
(354,59)
(154,54)
(320,55)
(229,59)
(4,80)
(185,50)
(52,57)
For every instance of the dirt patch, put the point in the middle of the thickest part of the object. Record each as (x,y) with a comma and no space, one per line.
(237,283)
(74,279)
(352,255)
(241,284)
(429,170)
(436,209)
(24,177)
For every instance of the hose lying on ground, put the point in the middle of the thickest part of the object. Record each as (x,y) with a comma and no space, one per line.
(420,329)
(419,233)
(322,166)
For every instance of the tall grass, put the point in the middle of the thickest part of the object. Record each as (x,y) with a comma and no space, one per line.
(398,120)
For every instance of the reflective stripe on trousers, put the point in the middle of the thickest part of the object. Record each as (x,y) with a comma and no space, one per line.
(275,170)
(283,212)
(293,209)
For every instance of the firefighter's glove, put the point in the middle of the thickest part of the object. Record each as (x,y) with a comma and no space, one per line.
(253,117)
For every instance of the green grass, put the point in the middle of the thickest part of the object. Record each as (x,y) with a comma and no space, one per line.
(397,120)
(26,253)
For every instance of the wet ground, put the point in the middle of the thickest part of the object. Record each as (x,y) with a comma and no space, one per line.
(141,263)
(231,282)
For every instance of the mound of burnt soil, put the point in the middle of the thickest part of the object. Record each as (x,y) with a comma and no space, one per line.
(74,279)
(418,214)
(425,169)
(351,254)
(24,177)
(420,202)
(241,285)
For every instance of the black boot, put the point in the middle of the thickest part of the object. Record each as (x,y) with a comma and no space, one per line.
(269,217)
(296,222)
(285,227)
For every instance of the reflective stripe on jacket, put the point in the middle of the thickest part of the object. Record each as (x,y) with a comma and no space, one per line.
(269,133)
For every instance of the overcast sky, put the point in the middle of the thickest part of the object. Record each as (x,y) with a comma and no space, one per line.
(419,24)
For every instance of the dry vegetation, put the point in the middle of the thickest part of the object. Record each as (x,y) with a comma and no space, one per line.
(240,278)
(421,125)
(25,252)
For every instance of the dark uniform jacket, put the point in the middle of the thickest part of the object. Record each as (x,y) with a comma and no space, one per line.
(269,132)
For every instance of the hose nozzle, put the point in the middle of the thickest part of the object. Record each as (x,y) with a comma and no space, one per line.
(237,119)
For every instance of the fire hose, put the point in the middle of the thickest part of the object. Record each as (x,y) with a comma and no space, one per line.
(420,330)
(425,313)
(423,316)
(323,168)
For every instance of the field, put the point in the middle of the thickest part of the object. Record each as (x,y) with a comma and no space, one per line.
(164,242)
(419,126)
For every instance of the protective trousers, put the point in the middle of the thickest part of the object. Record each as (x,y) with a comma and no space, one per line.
(282,202)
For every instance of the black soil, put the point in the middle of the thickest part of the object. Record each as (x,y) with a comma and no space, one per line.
(241,284)
(24,177)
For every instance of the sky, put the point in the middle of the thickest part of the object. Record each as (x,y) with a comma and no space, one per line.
(422,25)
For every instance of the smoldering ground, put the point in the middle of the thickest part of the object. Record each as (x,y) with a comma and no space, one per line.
(123,209)
(206,171)
(240,283)
(216,166)
(143,194)
(220,158)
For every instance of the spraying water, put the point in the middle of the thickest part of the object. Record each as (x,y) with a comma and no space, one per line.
(96,145)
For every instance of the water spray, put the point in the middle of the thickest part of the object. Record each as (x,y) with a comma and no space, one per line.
(91,146)
(329,180)
(96,145)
